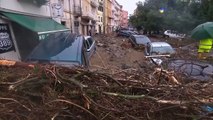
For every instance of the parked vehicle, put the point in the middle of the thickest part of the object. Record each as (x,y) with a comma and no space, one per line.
(139,41)
(173,34)
(158,51)
(126,33)
(64,49)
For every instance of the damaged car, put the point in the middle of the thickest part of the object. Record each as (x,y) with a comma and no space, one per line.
(158,52)
(139,41)
(64,49)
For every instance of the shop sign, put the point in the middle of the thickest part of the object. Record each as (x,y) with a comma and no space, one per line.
(6,43)
(57,10)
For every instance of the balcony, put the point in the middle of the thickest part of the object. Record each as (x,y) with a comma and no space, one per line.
(116,14)
(77,11)
(87,15)
(113,9)
(117,7)
(111,16)
(94,3)
(101,3)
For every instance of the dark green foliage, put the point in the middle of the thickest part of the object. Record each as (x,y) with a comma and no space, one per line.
(179,15)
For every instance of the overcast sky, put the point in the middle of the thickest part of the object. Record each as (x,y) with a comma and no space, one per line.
(128,5)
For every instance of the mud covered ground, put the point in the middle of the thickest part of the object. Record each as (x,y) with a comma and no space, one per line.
(117,52)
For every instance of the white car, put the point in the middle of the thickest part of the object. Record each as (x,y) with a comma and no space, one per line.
(173,34)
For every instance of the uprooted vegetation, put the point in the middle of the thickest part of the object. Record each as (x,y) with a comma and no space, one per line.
(50,92)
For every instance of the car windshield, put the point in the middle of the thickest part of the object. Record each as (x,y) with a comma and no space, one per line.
(142,40)
(64,44)
(162,50)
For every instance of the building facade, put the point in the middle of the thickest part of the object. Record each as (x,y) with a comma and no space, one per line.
(78,15)
(117,15)
(97,16)
(100,15)
(124,19)
(23,25)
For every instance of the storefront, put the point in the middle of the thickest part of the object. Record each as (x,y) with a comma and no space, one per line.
(20,34)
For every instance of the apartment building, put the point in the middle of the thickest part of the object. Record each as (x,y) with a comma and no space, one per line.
(78,15)
(108,16)
(23,25)
(89,16)
(100,15)
(124,19)
(117,14)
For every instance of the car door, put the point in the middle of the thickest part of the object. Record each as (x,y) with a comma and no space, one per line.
(90,45)
(148,50)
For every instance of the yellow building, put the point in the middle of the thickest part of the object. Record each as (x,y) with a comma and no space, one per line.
(107,16)
(89,16)
(112,13)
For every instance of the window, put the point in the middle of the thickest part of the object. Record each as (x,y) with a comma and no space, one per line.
(90,41)
(87,44)
(63,23)
(100,8)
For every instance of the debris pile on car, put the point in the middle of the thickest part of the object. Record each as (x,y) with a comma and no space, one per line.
(50,92)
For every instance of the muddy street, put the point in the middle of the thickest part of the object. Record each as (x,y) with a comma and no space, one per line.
(115,53)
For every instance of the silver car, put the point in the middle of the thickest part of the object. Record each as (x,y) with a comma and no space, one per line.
(158,50)
(139,41)
(90,46)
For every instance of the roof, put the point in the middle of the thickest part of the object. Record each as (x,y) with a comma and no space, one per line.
(142,39)
(159,44)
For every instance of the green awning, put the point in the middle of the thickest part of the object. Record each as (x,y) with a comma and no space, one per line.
(41,25)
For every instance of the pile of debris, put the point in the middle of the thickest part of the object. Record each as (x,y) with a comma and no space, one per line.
(51,92)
